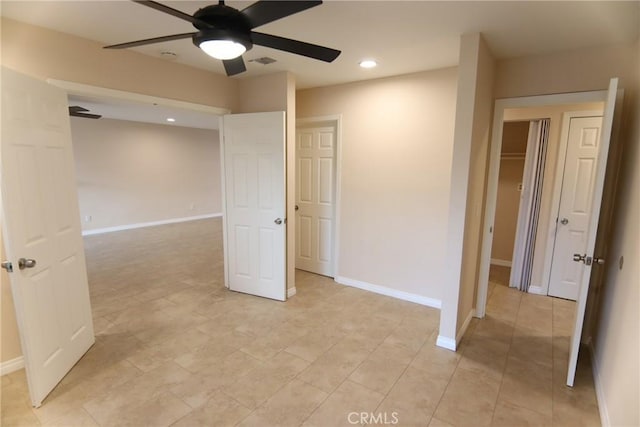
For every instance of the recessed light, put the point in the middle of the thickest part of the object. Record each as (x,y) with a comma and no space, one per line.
(171,119)
(368,63)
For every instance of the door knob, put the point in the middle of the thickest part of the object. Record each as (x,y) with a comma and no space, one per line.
(278,221)
(297,207)
(7,266)
(564,221)
(579,258)
(26,263)
(599,261)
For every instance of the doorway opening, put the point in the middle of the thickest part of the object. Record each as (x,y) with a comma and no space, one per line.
(543,106)
(317,194)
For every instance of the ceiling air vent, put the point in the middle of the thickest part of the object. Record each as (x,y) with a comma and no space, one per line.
(265,60)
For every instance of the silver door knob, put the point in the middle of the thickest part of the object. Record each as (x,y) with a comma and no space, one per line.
(599,261)
(26,263)
(7,266)
(564,221)
(278,221)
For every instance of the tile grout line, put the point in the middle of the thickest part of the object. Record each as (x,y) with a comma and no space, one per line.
(504,370)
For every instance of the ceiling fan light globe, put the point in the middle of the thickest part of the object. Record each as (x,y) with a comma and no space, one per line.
(222,49)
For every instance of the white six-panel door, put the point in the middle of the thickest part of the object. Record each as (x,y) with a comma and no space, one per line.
(42,226)
(576,200)
(254,187)
(596,201)
(315,199)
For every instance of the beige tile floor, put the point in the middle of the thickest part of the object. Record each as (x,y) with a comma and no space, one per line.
(174,347)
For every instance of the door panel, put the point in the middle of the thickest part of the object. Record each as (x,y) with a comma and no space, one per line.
(42,222)
(575,205)
(315,198)
(613,102)
(254,180)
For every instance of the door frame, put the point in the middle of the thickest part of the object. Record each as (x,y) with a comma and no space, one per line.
(494,166)
(336,122)
(557,194)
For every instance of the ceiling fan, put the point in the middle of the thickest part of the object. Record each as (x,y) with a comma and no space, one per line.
(77,111)
(226,33)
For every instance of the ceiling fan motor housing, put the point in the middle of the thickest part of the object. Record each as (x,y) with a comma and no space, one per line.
(224,23)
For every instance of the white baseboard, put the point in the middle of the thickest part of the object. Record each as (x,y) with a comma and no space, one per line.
(602,407)
(148,224)
(465,326)
(12,365)
(536,290)
(291,292)
(501,262)
(383,290)
(445,342)
(450,343)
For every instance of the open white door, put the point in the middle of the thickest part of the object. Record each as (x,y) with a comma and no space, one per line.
(42,231)
(254,212)
(587,259)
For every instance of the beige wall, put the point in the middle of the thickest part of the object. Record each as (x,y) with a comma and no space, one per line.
(277,92)
(474,106)
(130,172)
(397,137)
(507,204)
(617,338)
(10,343)
(480,122)
(44,53)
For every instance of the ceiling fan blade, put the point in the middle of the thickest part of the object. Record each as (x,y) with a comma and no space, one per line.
(294,46)
(85,115)
(150,41)
(76,109)
(234,66)
(265,11)
(171,11)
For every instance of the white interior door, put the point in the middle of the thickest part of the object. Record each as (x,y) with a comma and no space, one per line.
(595,201)
(254,187)
(42,228)
(576,203)
(315,199)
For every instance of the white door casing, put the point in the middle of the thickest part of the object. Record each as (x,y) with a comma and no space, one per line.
(254,203)
(315,198)
(42,222)
(613,99)
(576,201)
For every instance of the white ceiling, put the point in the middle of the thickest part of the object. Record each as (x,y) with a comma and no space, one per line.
(404,36)
(118,109)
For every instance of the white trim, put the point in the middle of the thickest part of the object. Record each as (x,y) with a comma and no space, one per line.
(494,166)
(11,365)
(558,179)
(500,262)
(148,224)
(602,402)
(291,292)
(334,120)
(465,326)
(73,88)
(537,290)
(383,290)
(446,342)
